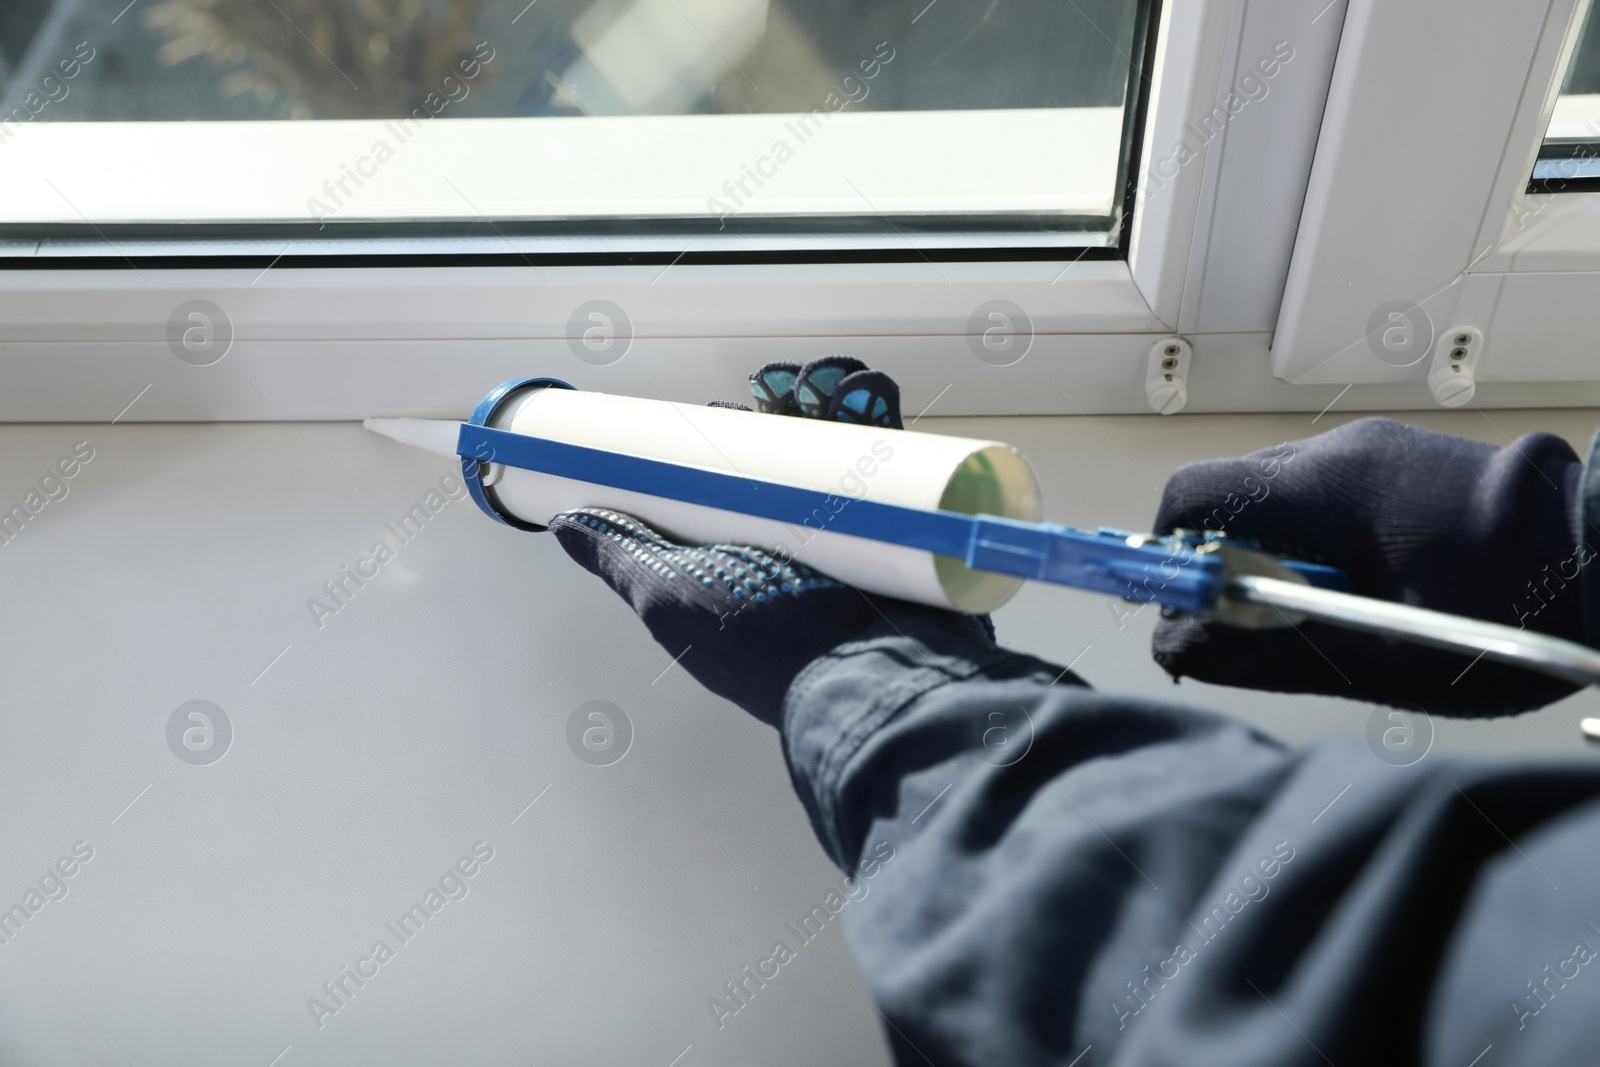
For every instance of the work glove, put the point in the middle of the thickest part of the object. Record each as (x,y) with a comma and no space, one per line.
(1412,516)
(742,621)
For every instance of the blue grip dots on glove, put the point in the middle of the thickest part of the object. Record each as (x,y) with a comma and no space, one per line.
(744,621)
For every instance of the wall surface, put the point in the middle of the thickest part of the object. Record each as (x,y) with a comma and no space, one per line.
(373,747)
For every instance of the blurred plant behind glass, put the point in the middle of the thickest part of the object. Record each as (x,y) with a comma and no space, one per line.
(167,60)
(314,59)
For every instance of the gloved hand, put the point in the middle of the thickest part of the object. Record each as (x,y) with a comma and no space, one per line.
(744,621)
(1414,516)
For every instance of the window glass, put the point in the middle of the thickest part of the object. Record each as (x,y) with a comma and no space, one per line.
(882,120)
(1570,158)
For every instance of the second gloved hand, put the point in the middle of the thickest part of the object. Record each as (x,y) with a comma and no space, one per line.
(742,621)
(1413,516)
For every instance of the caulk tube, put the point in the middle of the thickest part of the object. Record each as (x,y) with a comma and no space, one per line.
(846,462)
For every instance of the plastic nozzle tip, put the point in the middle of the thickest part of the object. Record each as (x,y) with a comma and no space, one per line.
(438,436)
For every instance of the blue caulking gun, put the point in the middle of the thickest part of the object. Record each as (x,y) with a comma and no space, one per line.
(945,521)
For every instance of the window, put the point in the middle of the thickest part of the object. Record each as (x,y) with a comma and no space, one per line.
(572,124)
(1569,160)
(1100,174)
(1484,288)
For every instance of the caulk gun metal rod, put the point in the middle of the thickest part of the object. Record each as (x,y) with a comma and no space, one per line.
(1567,660)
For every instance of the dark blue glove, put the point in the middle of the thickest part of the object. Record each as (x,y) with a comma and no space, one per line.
(836,388)
(744,621)
(1414,516)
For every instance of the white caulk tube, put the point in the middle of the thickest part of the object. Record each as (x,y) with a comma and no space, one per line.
(916,470)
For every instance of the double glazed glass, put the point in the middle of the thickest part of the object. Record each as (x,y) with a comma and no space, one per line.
(1569,161)
(820,124)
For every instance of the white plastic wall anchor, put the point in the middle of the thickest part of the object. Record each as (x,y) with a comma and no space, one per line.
(1453,375)
(1166,379)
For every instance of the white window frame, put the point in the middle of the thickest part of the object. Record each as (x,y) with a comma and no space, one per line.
(1210,250)
(1434,120)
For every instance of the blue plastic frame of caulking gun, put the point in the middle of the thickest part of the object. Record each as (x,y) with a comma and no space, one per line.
(1165,571)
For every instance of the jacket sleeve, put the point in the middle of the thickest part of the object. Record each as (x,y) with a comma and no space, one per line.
(1046,874)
